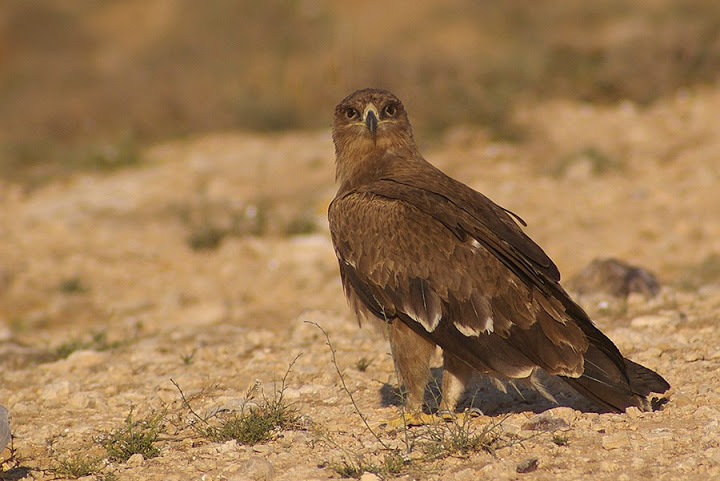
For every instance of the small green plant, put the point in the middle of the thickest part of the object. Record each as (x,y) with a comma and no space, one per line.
(560,439)
(19,324)
(363,363)
(255,423)
(600,162)
(354,468)
(349,469)
(210,222)
(353,465)
(458,437)
(136,436)
(187,358)
(98,342)
(395,462)
(206,237)
(120,152)
(77,466)
(72,285)
(707,271)
(253,426)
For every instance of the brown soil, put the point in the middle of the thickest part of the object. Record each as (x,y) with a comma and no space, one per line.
(110,254)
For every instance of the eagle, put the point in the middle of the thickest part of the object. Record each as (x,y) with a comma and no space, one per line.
(440,264)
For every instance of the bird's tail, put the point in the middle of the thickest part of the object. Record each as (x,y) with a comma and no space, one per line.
(610,387)
(609,379)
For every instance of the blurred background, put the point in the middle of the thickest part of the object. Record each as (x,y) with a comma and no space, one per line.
(167,154)
(87,84)
(166,167)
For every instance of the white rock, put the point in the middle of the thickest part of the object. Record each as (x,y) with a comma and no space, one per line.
(86,358)
(135,460)
(4,427)
(616,440)
(55,391)
(82,400)
(545,422)
(83,359)
(228,447)
(633,412)
(203,314)
(370,477)
(255,469)
(569,415)
(651,320)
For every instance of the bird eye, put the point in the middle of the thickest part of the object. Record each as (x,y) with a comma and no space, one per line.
(390,110)
(351,113)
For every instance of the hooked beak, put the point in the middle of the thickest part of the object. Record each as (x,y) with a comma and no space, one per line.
(371,119)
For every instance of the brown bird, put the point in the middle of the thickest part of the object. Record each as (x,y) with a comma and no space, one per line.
(442,265)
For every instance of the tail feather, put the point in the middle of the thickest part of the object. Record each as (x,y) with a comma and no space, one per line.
(645,381)
(615,389)
(610,380)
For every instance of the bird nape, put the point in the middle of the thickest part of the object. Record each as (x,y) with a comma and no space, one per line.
(442,265)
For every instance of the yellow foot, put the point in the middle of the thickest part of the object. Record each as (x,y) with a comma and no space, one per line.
(420,419)
(412,419)
(465,415)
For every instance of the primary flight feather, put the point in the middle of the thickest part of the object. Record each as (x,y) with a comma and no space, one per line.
(442,265)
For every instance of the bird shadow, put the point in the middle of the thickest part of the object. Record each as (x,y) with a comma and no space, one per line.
(14,474)
(496,398)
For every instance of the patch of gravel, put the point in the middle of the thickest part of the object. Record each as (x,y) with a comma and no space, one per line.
(100,266)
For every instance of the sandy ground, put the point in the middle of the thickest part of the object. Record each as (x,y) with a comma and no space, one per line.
(104,261)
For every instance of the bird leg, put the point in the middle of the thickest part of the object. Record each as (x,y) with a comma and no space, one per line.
(411,354)
(456,377)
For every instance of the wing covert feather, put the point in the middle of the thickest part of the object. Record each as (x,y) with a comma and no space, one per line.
(398,261)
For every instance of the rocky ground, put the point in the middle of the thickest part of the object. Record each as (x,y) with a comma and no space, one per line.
(207,272)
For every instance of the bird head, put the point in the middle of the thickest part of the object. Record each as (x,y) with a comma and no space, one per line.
(370,126)
(371,117)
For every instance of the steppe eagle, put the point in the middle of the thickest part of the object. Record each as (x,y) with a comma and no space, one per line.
(442,265)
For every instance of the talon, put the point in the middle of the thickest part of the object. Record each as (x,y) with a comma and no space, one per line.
(474,412)
(467,414)
(446,415)
(421,419)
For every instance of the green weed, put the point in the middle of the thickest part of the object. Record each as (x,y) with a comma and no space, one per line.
(72,285)
(97,342)
(255,423)
(363,363)
(77,466)
(136,436)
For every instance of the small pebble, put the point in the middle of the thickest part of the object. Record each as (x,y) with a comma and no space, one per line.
(544,422)
(370,477)
(527,465)
(135,460)
(4,428)
(616,440)
(257,469)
